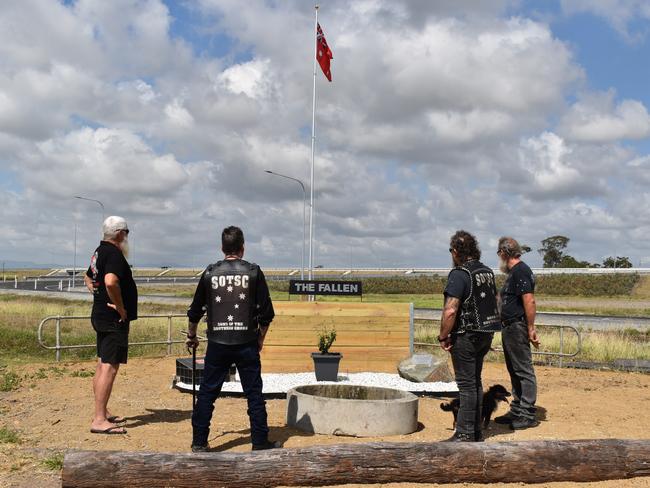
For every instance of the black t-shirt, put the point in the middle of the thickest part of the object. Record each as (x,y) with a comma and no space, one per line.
(519,281)
(458,284)
(109,259)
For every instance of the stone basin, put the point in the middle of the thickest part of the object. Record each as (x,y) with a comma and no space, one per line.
(360,411)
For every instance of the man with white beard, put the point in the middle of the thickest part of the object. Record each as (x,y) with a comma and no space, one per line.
(517,309)
(115,305)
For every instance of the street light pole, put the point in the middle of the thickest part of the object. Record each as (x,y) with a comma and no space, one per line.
(74,259)
(304,203)
(96,201)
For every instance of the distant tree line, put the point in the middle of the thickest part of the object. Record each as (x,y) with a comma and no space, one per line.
(553,252)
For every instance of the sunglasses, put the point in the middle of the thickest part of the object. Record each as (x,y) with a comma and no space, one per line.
(450,249)
(126,231)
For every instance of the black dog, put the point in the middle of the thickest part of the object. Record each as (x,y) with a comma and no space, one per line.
(496,394)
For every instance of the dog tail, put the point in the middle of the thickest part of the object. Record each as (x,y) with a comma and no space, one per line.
(447,407)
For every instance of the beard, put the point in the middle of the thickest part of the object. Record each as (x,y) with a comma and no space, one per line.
(503,266)
(124,247)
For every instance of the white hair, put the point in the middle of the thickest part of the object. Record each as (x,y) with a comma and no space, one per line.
(112,225)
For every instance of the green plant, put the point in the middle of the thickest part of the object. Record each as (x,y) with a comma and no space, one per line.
(326,338)
(9,436)
(9,381)
(54,462)
(82,374)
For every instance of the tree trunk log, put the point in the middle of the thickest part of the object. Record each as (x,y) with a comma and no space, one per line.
(378,462)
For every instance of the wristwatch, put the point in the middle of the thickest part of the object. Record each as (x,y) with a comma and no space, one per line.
(442,339)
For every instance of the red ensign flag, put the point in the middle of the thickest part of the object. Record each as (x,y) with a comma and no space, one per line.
(323,53)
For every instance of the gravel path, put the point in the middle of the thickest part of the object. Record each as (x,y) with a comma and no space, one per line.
(281,383)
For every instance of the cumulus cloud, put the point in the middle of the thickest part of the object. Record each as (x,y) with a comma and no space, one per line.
(441,115)
(110,162)
(596,117)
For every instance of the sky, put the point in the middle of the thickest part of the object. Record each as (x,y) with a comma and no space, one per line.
(499,117)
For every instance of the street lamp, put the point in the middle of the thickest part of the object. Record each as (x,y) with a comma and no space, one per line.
(93,200)
(304,203)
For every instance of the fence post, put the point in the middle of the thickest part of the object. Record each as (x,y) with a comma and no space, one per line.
(15,282)
(561,345)
(58,338)
(169,335)
(35,283)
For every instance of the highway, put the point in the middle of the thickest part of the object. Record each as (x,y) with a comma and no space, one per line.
(582,321)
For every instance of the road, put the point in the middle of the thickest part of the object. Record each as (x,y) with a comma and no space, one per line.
(583,321)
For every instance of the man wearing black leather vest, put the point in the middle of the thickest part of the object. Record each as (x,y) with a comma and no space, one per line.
(236,297)
(469,320)
(518,309)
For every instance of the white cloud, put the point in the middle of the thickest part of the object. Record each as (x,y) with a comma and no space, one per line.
(441,116)
(597,117)
(103,161)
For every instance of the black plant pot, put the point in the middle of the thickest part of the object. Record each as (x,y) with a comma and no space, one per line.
(326,366)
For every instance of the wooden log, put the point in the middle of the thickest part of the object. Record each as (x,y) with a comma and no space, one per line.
(379,462)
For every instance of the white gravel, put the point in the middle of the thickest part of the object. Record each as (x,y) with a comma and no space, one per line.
(281,383)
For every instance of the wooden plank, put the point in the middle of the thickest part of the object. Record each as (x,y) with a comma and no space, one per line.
(375,462)
(357,337)
(346,309)
(315,323)
(281,359)
(306,365)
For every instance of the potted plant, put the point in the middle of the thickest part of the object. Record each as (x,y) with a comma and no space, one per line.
(326,364)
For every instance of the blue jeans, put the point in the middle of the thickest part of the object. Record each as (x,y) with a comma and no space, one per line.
(218,359)
(519,361)
(467,354)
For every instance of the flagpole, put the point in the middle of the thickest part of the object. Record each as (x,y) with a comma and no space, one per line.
(313,143)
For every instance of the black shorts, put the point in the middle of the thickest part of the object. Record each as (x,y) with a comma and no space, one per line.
(113,345)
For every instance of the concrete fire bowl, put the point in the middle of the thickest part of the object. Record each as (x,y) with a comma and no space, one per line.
(361,411)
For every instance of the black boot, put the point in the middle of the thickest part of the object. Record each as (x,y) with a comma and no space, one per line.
(200,448)
(267,445)
(504,419)
(460,437)
(520,423)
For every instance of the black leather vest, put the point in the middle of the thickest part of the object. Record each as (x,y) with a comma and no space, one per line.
(479,311)
(231,301)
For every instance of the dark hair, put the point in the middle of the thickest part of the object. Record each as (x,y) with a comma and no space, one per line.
(232,240)
(510,247)
(465,245)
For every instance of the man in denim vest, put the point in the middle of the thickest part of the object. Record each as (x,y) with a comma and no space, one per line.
(469,320)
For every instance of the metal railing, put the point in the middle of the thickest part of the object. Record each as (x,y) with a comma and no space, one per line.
(58,346)
(561,354)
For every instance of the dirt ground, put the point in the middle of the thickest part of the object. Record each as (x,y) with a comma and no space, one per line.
(52,412)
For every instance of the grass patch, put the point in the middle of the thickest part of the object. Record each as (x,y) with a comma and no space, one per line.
(9,436)
(20,316)
(54,462)
(9,381)
(597,346)
(642,287)
(82,373)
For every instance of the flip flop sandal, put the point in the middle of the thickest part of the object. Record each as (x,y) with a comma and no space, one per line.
(114,419)
(109,431)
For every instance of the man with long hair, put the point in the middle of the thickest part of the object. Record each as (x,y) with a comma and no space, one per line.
(469,320)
